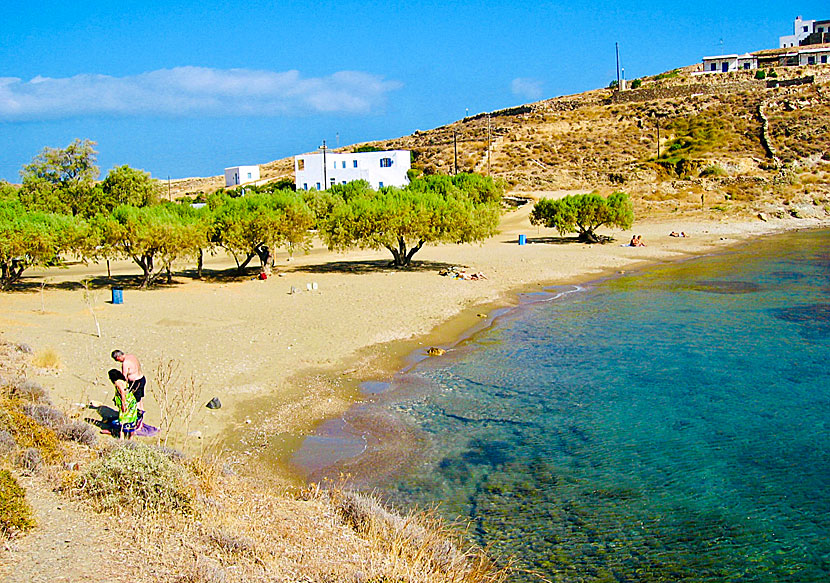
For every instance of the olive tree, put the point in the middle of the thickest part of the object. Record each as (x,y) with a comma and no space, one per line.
(584,214)
(30,238)
(437,209)
(153,237)
(256,225)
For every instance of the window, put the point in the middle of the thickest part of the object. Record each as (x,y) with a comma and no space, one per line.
(823,59)
(355,163)
(318,186)
(249,175)
(344,163)
(300,164)
(714,67)
(386,162)
(725,67)
(746,65)
(811,60)
(333,181)
(805,29)
(305,185)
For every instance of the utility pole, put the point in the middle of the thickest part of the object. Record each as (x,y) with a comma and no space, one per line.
(325,177)
(617,48)
(169,195)
(455,152)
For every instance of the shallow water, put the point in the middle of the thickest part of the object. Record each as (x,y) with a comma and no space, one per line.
(670,425)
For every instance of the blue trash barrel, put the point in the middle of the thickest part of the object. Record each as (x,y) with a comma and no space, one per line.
(117,295)
(522,240)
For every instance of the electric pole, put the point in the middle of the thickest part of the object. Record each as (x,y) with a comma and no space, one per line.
(325,177)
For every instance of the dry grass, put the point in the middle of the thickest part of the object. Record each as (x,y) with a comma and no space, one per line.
(47,358)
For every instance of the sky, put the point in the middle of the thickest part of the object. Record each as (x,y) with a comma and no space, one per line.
(189,88)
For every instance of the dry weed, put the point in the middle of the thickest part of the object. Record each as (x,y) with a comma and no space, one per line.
(47,358)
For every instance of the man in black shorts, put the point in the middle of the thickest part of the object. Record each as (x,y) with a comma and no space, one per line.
(136,381)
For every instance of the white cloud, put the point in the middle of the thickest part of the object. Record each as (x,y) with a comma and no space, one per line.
(186,91)
(527,88)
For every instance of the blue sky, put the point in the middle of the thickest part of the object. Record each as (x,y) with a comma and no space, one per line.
(187,88)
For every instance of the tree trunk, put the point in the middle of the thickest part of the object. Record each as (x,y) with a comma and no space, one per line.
(402,257)
(169,275)
(241,268)
(200,263)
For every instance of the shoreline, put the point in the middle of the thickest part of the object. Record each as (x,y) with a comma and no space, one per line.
(282,363)
(463,327)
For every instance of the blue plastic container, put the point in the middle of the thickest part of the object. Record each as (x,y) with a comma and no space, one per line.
(117,295)
(522,239)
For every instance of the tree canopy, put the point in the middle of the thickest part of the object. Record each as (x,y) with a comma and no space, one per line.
(61,179)
(257,224)
(125,185)
(32,237)
(434,209)
(584,214)
(153,237)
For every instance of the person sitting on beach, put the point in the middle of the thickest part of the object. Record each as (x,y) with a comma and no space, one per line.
(636,241)
(125,404)
(131,369)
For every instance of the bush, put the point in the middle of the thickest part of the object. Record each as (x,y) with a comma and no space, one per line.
(15,512)
(636,84)
(713,170)
(759,74)
(28,433)
(134,478)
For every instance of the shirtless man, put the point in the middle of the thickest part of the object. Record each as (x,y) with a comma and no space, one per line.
(131,369)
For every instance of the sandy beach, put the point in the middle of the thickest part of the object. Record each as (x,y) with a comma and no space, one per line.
(280,362)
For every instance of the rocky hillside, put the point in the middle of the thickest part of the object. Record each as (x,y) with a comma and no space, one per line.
(740,142)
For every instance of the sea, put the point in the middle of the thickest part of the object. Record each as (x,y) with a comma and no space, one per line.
(669,424)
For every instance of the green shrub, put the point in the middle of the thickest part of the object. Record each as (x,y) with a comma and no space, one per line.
(713,170)
(134,477)
(15,512)
(759,74)
(636,84)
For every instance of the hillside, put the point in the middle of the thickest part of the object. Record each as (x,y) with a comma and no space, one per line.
(713,140)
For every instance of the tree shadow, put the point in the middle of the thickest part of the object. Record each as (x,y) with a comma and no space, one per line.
(545,240)
(373,266)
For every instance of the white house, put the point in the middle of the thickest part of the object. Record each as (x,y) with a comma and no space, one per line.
(379,169)
(803,30)
(817,56)
(729,63)
(237,175)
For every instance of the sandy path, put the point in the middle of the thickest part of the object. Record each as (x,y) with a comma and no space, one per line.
(68,544)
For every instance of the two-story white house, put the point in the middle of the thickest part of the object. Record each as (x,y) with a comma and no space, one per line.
(811,31)
(238,175)
(379,169)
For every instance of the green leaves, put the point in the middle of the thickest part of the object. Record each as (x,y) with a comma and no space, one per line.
(434,209)
(32,237)
(584,213)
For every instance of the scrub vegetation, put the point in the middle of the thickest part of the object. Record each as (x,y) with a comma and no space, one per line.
(199,520)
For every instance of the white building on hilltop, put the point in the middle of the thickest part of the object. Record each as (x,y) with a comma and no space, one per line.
(379,169)
(238,175)
(806,32)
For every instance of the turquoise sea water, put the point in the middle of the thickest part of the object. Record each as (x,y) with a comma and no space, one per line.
(669,425)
